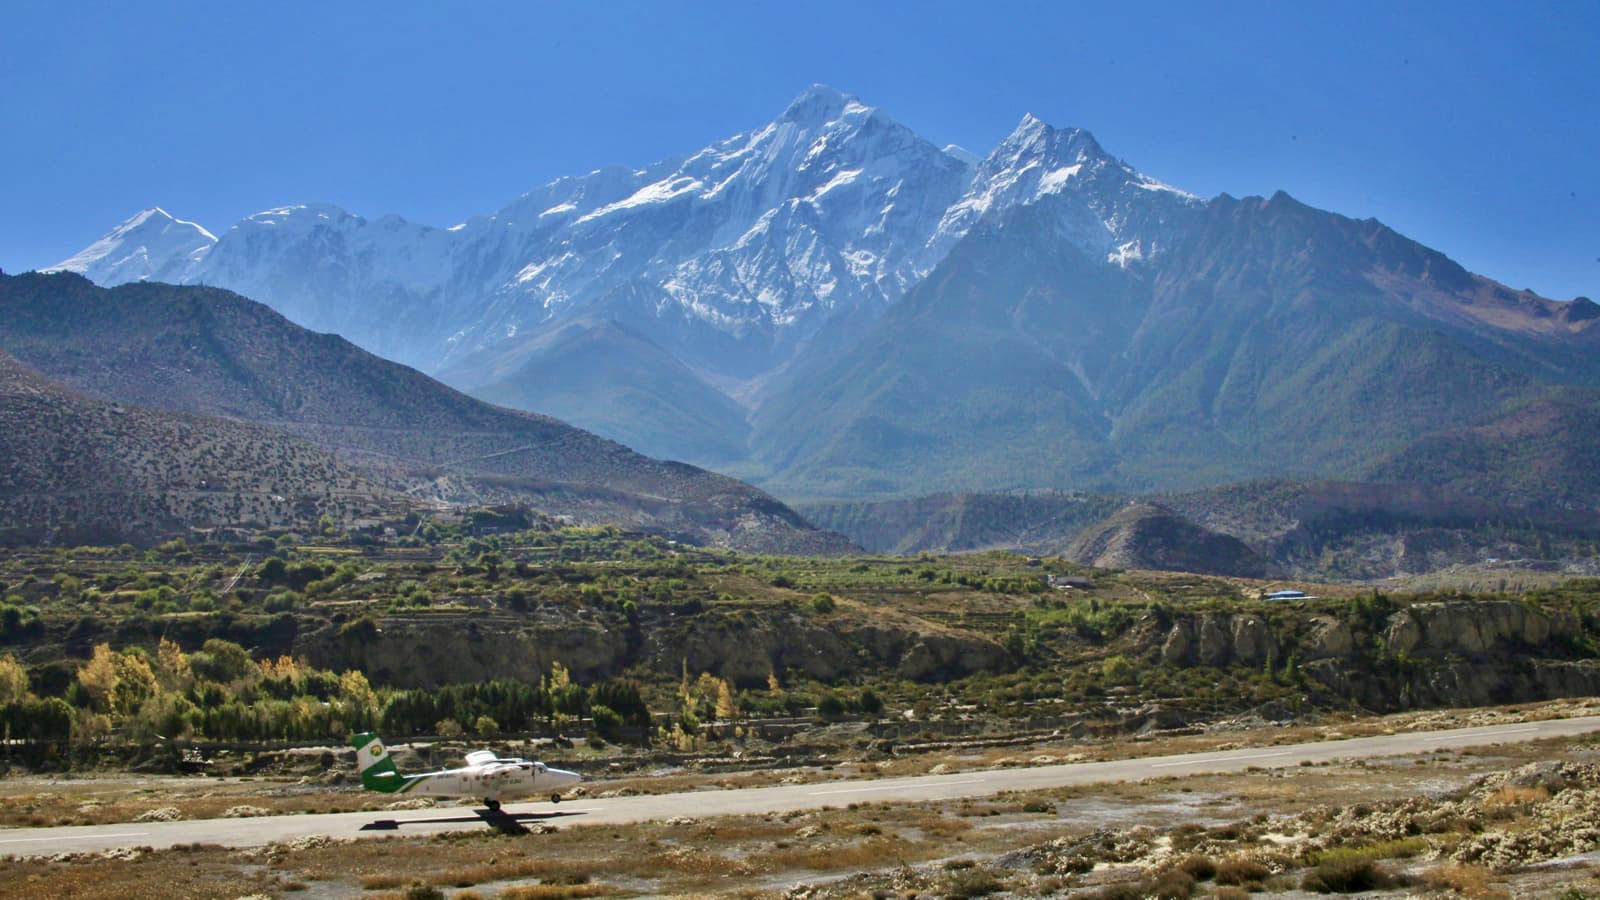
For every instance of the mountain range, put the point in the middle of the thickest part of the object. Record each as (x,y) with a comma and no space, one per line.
(832,306)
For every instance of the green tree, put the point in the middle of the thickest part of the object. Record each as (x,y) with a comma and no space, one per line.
(222,661)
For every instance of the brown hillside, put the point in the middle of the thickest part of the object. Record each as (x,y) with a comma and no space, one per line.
(74,469)
(1145,536)
(211,352)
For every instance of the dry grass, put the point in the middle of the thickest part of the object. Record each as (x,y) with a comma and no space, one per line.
(499,871)
(868,854)
(942,826)
(1466,880)
(551,892)
(172,875)
(700,863)
(1512,796)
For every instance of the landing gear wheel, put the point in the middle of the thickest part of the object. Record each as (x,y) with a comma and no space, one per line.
(555,798)
(494,805)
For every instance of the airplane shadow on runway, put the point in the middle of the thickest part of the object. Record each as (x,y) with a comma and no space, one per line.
(499,820)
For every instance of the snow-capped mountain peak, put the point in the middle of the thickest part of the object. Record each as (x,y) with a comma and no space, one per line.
(818,104)
(152,244)
(305,214)
(962,154)
(1104,205)
(762,233)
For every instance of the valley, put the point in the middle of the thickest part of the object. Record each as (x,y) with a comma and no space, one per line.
(952,666)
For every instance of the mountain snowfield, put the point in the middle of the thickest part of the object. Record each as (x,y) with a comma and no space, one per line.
(733,257)
(151,246)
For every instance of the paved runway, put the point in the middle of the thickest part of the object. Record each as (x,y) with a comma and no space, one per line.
(266,829)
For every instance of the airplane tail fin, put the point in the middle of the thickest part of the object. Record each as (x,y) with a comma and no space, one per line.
(372,761)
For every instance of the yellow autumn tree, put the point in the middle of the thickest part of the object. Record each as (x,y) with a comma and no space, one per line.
(286,667)
(99,676)
(726,707)
(13,681)
(172,667)
(136,683)
(559,676)
(359,700)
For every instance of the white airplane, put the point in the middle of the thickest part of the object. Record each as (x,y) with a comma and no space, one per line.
(485,775)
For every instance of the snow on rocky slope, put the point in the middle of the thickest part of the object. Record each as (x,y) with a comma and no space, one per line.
(734,256)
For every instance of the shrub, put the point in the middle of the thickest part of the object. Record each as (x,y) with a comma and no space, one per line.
(423,891)
(830,706)
(869,702)
(1241,871)
(606,721)
(271,569)
(1201,868)
(974,883)
(1117,669)
(1173,884)
(1346,876)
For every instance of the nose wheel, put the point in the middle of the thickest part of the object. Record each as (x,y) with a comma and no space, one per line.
(555,798)
(493,805)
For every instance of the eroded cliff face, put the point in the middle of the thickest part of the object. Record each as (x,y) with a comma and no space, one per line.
(1219,640)
(1452,653)
(431,650)
(1438,629)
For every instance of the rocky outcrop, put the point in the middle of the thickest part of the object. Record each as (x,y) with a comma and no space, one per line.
(932,655)
(1329,638)
(1441,629)
(1450,653)
(1219,640)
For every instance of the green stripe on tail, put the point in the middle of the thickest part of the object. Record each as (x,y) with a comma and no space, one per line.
(377,769)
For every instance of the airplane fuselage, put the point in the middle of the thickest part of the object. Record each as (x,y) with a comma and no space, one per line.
(495,781)
(486,775)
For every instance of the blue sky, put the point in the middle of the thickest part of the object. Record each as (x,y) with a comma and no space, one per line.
(1472,127)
